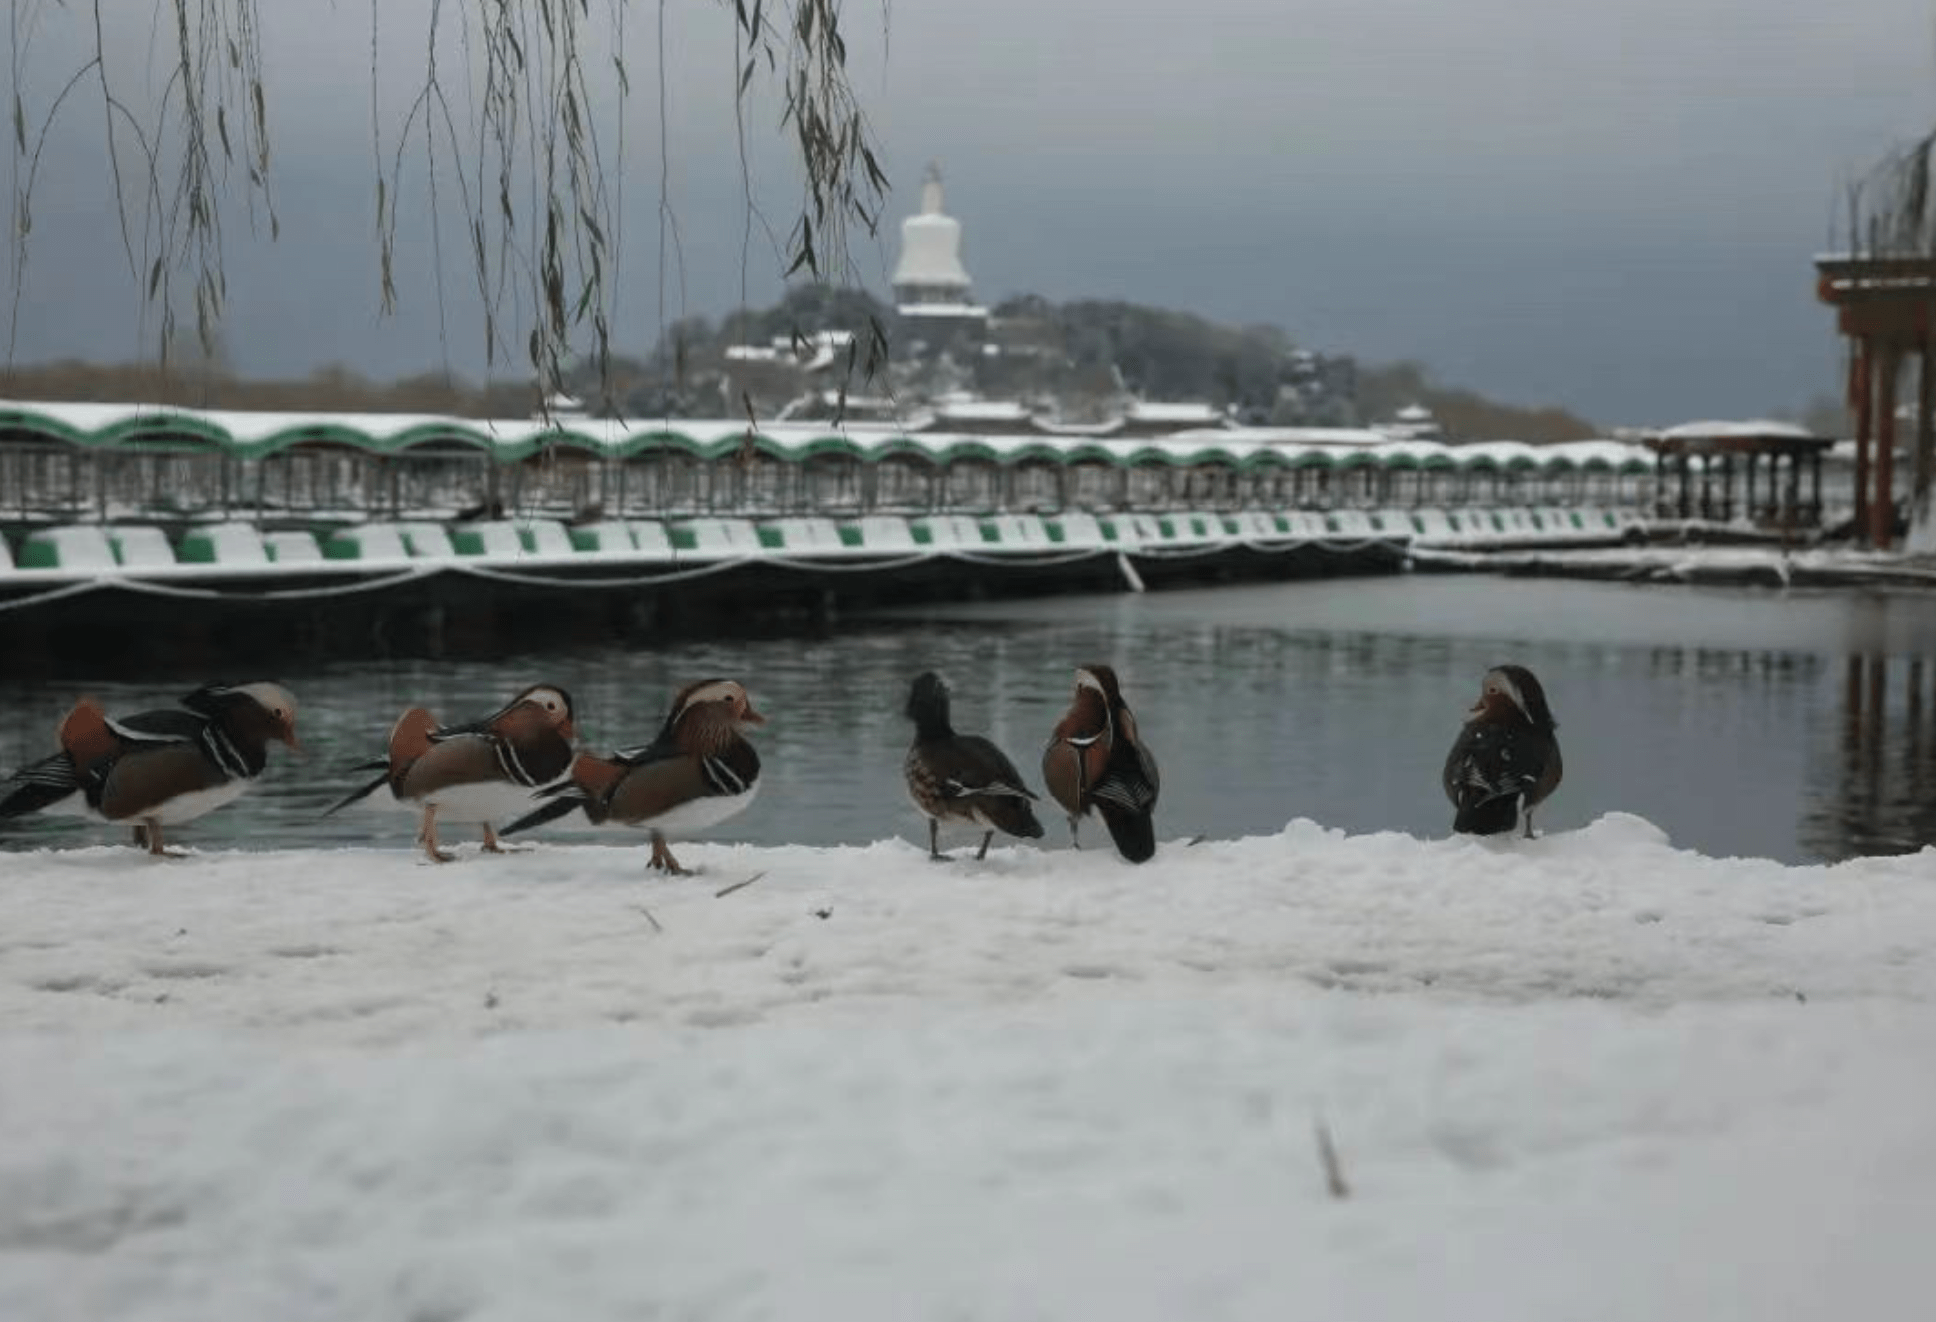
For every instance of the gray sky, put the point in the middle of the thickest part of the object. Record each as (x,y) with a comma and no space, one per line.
(1604,204)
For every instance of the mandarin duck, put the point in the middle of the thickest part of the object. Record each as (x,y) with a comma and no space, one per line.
(477,772)
(1506,759)
(698,772)
(1096,759)
(961,777)
(156,768)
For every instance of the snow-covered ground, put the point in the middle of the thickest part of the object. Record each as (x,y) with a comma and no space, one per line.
(1585,1077)
(1766,565)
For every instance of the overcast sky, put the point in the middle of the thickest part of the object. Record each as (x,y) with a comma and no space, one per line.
(1604,204)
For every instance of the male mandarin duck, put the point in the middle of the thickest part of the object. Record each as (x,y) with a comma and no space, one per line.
(1506,760)
(477,772)
(157,768)
(962,778)
(1096,759)
(697,773)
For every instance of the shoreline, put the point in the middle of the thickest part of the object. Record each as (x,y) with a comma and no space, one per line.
(1731,566)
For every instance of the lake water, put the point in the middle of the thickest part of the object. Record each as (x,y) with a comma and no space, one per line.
(1799,726)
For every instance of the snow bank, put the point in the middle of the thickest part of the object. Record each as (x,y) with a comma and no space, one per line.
(1586,1077)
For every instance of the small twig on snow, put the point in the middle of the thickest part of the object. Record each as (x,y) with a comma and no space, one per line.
(724,891)
(1333,1169)
(649,918)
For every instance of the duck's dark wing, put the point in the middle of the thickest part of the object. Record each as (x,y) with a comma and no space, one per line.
(1491,767)
(154,729)
(972,774)
(381,766)
(969,765)
(659,750)
(1125,797)
(39,785)
(734,771)
(1130,780)
(731,771)
(651,789)
(558,801)
(535,761)
(481,729)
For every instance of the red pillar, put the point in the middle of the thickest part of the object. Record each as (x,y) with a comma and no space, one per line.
(1882,511)
(1860,398)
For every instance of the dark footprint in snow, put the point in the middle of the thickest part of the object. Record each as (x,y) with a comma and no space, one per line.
(66,982)
(186,970)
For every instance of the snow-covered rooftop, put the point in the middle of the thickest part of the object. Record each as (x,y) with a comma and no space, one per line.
(976,410)
(972,310)
(1172,411)
(1720,430)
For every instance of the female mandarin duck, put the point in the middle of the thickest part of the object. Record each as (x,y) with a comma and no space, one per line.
(1506,760)
(700,771)
(962,778)
(478,772)
(1096,759)
(157,768)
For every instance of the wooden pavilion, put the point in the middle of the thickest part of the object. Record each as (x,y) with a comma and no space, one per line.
(1884,309)
(1697,463)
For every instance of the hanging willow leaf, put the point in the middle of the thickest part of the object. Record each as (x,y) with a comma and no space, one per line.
(540,125)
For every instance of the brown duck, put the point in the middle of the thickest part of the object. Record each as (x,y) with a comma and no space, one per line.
(697,773)
(963,778)
(1506,761)
(475,773)
(1097,759)
(157,768)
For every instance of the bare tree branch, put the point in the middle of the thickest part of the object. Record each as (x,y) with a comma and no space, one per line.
(545,265)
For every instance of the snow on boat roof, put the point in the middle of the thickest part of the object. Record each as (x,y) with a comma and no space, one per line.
(257,433)
(1292,435)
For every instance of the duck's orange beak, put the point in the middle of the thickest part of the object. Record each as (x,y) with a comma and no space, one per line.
(751,717)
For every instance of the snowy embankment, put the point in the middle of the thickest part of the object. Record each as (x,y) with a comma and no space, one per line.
(1583,1077)
(1768,566)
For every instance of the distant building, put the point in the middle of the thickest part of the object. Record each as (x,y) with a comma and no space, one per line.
(932,291)
(813,352)
(1161,417)
(1414,422)
(1317,389)
(964,412)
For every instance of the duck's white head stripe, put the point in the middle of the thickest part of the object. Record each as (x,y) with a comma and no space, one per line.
(717,691)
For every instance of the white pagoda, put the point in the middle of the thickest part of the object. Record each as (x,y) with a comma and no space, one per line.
(932,291)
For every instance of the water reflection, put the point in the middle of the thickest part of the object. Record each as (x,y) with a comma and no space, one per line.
(1794,726)
(1878,789)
